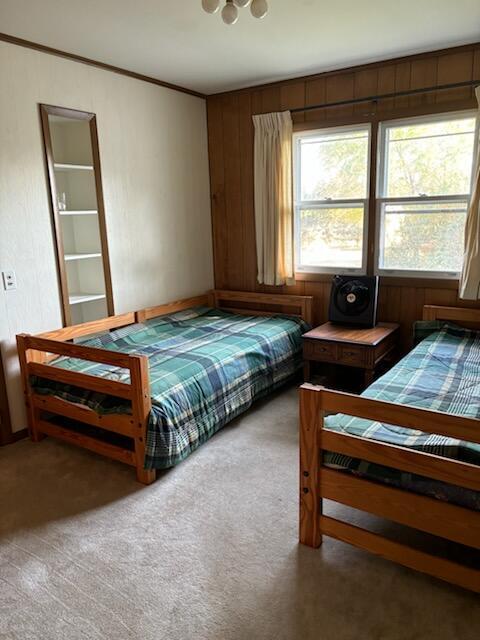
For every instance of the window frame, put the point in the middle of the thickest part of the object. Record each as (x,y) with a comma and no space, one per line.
(332,203)
(381,182)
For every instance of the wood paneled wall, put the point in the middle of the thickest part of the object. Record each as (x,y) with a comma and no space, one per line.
(230,131)
(5,424)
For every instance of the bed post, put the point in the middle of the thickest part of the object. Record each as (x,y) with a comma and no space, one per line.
(212,298)
(141,407)
(307,310)
(25,355)
(311,425)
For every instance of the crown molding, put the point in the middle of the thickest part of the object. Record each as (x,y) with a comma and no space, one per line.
(5,37)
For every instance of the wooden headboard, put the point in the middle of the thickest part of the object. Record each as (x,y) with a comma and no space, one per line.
(249,302)
(242,302)
(460,315)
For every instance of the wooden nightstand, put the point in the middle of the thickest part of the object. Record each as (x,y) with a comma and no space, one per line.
(361,348)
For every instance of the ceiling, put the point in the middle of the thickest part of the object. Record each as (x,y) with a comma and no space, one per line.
(176,41)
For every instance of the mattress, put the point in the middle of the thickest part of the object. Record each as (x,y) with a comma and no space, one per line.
(441,373)
(206,367)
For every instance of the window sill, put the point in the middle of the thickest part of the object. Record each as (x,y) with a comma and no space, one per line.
(389,281)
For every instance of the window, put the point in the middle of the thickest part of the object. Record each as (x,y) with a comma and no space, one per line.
(424,182)
(331,194)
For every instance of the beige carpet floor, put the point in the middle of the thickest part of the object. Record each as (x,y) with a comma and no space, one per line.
(208,552)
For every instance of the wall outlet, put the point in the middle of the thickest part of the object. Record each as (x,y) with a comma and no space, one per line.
(9,280)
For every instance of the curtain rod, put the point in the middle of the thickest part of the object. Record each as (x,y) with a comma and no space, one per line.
(384,96)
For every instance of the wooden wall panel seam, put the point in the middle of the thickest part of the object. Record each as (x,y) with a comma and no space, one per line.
(370,65)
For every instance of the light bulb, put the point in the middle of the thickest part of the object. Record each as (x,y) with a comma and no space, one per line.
(259,8)
(241,3)
(229,13)
(211,6)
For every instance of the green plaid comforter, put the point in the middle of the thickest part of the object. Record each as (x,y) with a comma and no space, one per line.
(441,373)
(206,367)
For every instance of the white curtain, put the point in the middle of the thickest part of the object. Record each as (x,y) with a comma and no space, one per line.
(470,278)
(273,198)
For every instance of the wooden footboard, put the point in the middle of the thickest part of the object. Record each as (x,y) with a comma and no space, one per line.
(35,354)
(419,512)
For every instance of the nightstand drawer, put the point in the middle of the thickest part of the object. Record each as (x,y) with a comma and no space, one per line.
(352,355)
(317,350)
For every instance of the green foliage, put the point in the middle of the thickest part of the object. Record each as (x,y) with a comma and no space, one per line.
(421,161)
(424,242)
(431,159)
(335,169)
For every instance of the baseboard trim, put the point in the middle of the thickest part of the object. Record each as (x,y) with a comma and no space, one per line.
(18,435)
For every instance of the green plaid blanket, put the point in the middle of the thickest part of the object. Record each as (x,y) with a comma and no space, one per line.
(441,373)
(206,367)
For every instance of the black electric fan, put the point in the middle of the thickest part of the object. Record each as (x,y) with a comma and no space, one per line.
(353,300)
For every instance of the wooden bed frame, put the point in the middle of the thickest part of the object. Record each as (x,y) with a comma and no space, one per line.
(439,518)
(36,352)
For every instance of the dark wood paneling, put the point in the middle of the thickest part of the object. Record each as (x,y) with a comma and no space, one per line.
(217,191)
(233,187)
(458,66)
(231,134)
(5,424)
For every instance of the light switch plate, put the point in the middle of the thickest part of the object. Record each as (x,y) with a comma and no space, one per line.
(9,280)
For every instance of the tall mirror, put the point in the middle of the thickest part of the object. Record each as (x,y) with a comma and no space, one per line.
(73,162)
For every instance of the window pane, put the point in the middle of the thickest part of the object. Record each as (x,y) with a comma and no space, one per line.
(431,158)
(334,165)
(331,237)
(423,237)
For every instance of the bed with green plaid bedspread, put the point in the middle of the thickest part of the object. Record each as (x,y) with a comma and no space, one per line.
(206,367)
(441,373)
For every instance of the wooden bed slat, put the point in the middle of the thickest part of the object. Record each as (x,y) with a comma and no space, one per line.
(455,314)
(454,472)
(88,328)
(303,304)
(86,442)
(417,511)
(171,307)
(402,415)
(117,423)
(82,380)
(93,354)
(259,298)
(402,554)
(256,312)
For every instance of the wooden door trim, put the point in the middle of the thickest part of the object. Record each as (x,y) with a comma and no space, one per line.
(45,111)
(101,214)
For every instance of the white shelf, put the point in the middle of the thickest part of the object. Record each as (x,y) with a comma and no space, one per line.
(79,298)
(81,256)
(61,166)
(86,212)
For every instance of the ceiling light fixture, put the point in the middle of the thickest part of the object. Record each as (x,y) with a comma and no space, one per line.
(211,6)
(258,8)
(229,13)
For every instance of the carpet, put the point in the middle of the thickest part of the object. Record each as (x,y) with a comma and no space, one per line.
(207,552)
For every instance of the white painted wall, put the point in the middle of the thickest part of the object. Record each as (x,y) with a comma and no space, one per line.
(153,151)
